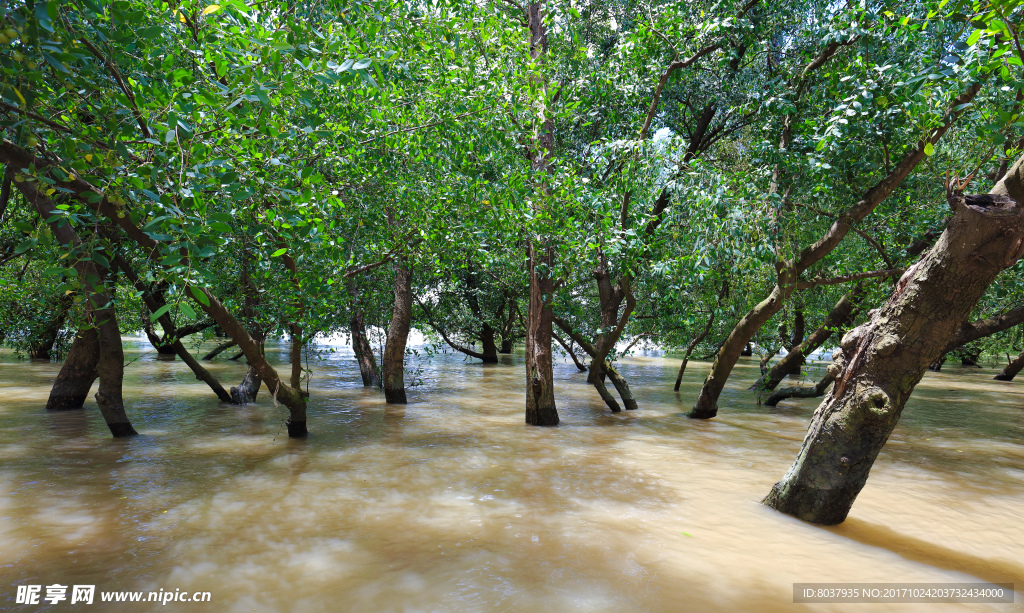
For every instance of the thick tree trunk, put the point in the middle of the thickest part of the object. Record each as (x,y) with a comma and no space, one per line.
(748,350)
(506,346)
(398,334)
(840,316)
(364,352)
(490,350)
(540,254)
(881,361)
(78,373)
(1011,369)
(540,380)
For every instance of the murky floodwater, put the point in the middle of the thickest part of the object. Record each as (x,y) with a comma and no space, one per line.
(452,504)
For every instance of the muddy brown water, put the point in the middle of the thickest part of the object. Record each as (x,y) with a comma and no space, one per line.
(451,503)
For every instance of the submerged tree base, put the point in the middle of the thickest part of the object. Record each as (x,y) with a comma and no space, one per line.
(297,429)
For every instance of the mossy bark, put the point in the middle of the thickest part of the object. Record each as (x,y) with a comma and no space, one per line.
(880,362)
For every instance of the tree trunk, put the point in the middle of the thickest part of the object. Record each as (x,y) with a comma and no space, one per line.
(398,335)
(1011,369)
(881,361)
(364,352)
(154,301)
(490,350)
(540,380)
(540,254)
(109,365)
(248,389)
(707,402)
(799,326)
(78,373)
(621,386)
(506,346)
(218,350)
(748,351)
(840,316)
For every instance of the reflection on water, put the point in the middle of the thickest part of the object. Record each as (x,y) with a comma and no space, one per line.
(452,504)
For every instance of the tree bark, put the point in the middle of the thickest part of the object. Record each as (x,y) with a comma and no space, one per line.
(689,350)
(1011,369)
(707,402)
(880,362)
(840,316)
(248,389)
(78,373)
(398,334)
(540,254)
(364,352)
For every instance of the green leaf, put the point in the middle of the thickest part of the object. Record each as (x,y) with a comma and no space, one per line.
(186,310)
(200,295)
(929,149)
(160,312)
(279,252)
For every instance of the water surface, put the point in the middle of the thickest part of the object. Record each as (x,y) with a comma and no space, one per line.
(451,503)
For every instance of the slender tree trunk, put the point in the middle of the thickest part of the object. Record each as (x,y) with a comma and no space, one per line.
(693,345)
(398,335)
(621,386)
(154,301)
(799,326)
(707,402)
(364,352)
(1011,369)
(540,254)
(880,362)
(802,392)
(572,354)
(218,350)
(840,316)
(77,374)
(540,380)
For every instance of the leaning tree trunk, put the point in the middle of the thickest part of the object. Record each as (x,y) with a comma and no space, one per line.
(1011,369)
(398,335)
(881,361)
(248,389)
(840,316)
(78,373)
(817,391)
(364,352)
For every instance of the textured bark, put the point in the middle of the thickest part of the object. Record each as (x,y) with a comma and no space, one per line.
(1011,369)
(398,334)
(840,316)
(364,352)
(540,255)
(818,390)
(248,389)
(540,380)
(974,330)
(707,402)
(880,362)
(78,373)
